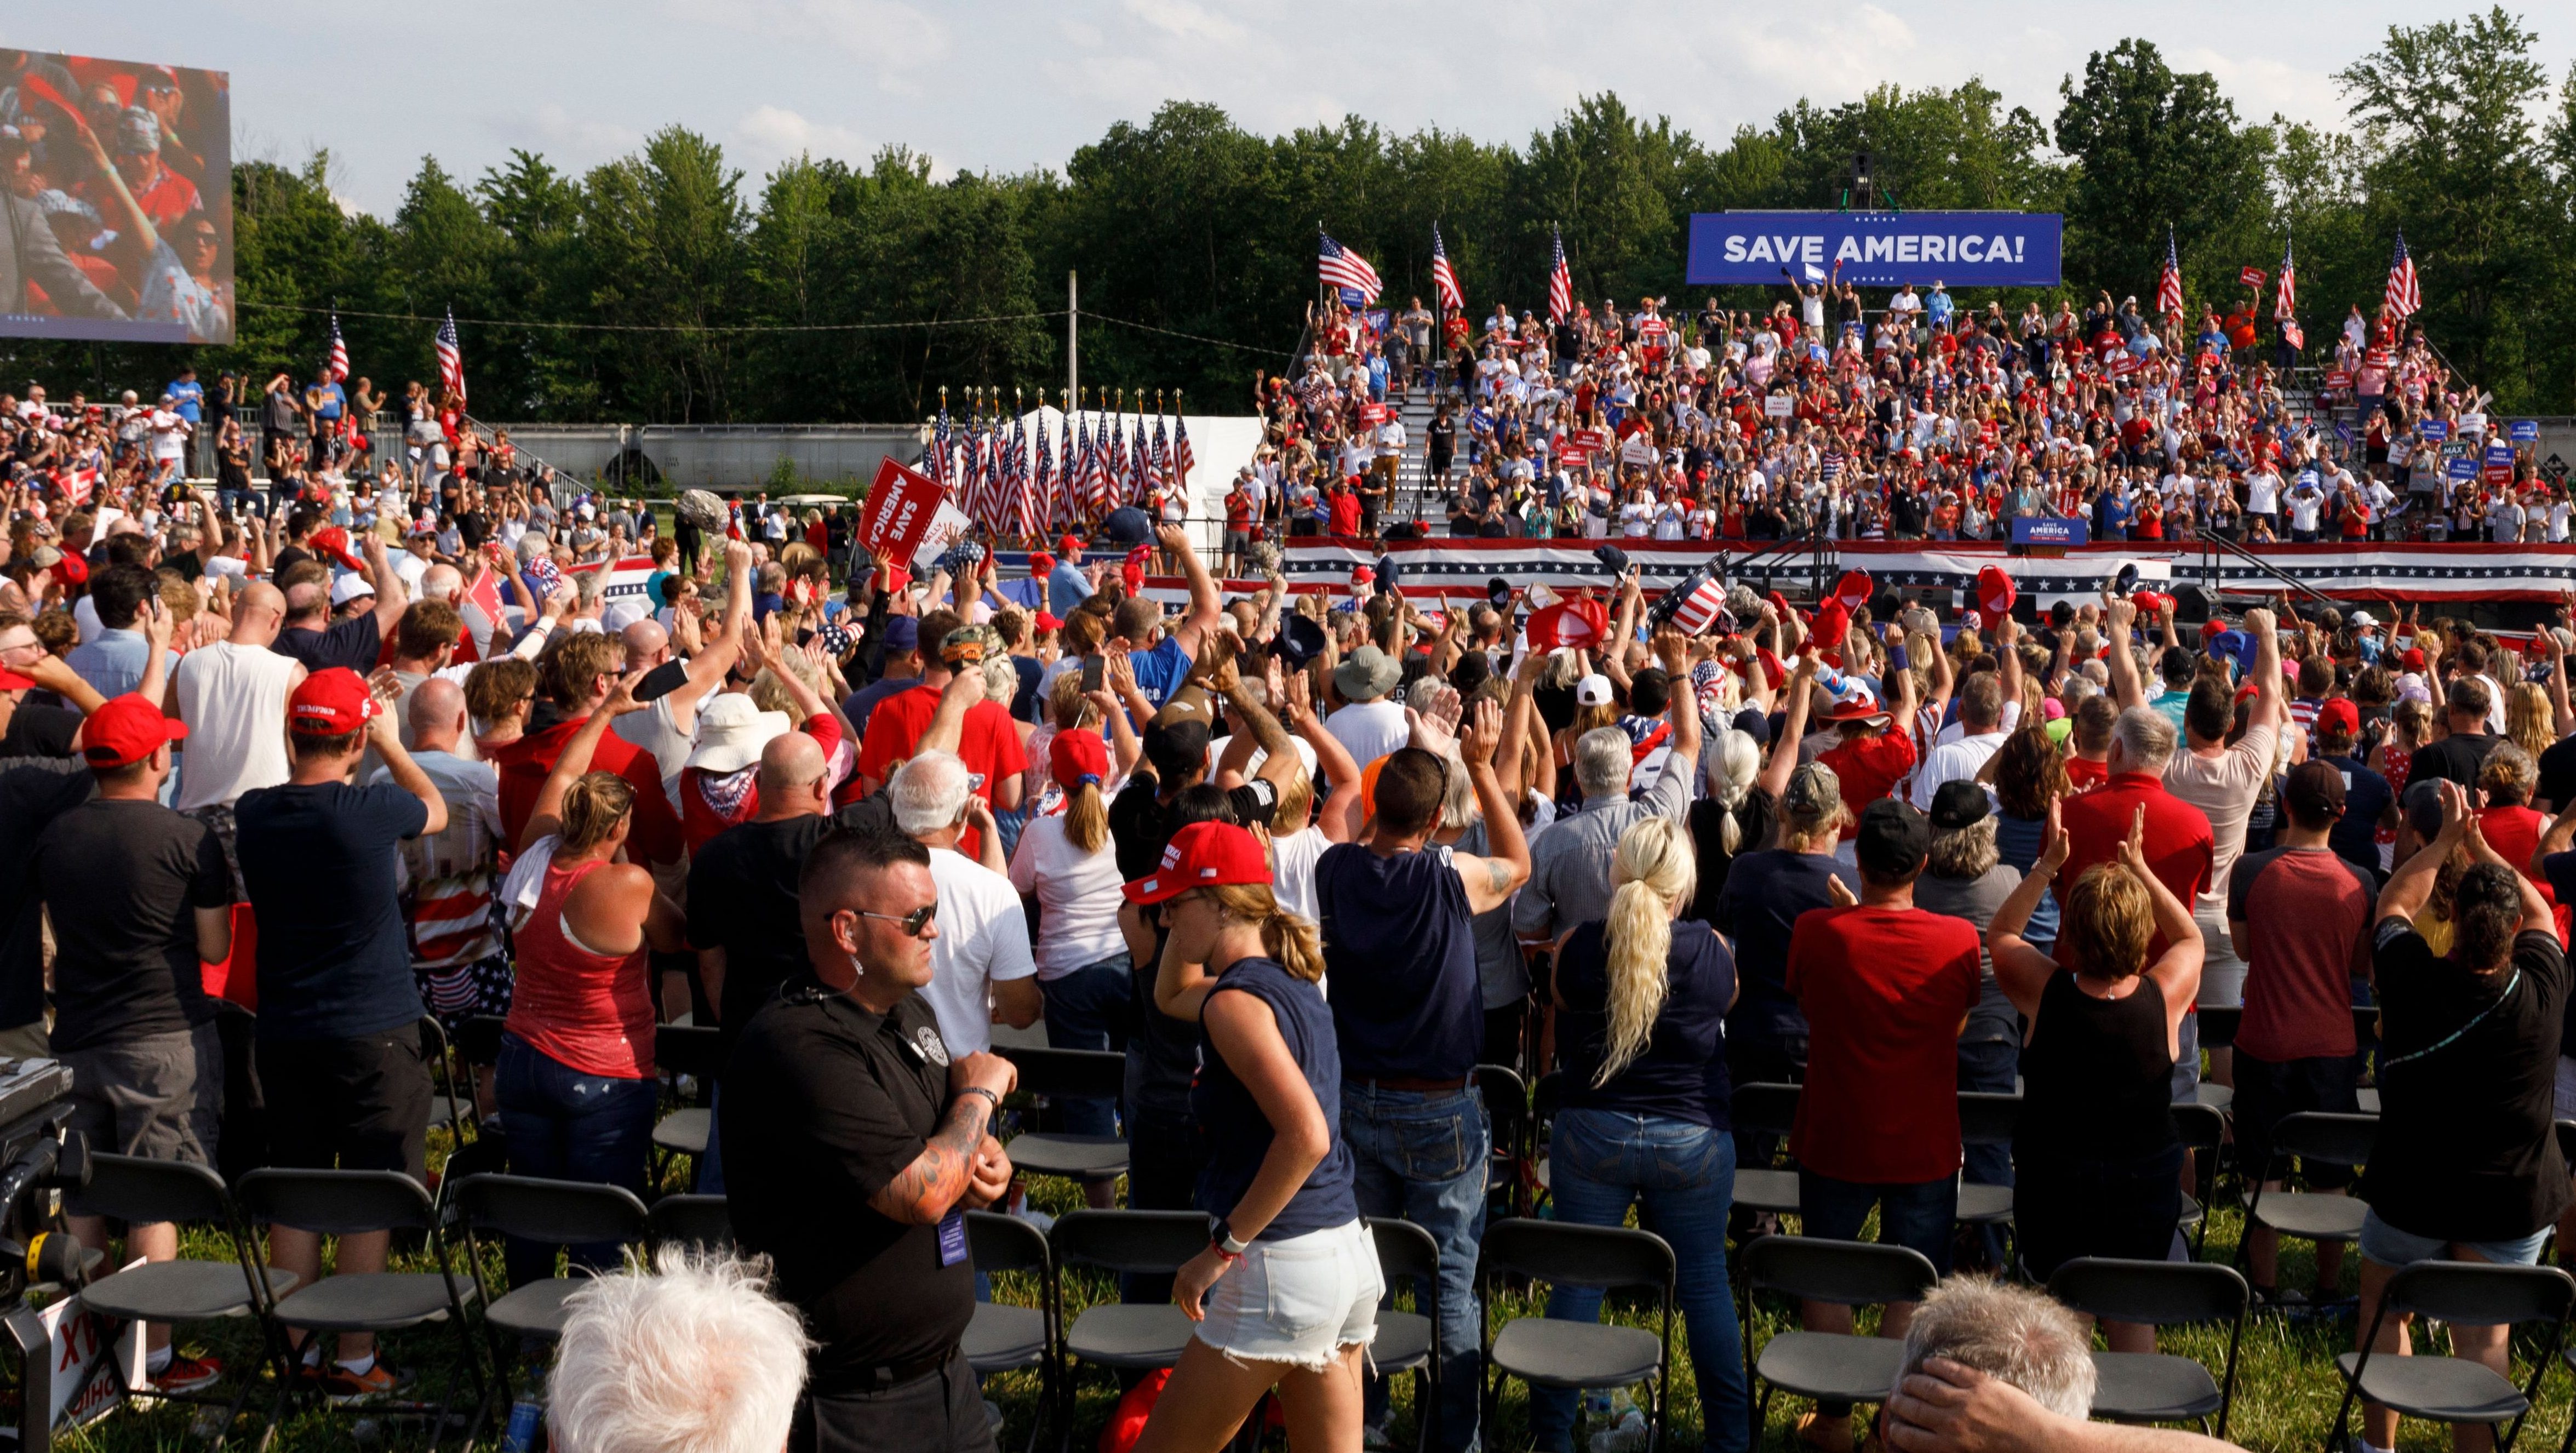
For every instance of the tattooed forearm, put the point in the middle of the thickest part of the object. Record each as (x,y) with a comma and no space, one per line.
(923,1191)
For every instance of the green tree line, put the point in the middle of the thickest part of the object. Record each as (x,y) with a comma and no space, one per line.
(686,292)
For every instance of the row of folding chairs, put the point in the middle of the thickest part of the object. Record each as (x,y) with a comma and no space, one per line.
(345,1202)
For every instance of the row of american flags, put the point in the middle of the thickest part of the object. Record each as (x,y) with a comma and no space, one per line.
(1344,270)
(2403,297)
(451,356)
(1012,479)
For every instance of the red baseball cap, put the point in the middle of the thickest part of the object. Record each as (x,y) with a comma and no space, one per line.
(1561,627)
(1202,855)
(1831,624)
(1077,756)
(331,703)
(1048,622)
(1041,563)
(126,730)
(1995,592)
(334,542)
(2341,715)
(1853,589)
(1068,546)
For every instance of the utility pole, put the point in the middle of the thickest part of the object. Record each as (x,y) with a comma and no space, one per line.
(1072,335)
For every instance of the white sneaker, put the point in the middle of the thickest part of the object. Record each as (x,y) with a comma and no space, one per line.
(1031,1214)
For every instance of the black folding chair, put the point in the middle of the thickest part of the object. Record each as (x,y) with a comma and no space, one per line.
(1546,1098)
(2310,1216)
(1986,1118)
(1005,1338)
(2452,1389)
(138,1191)
(1546,1353)
(698,1222)
(1507,1110)
(1117,1335)
(477,1039)
(696,1053)
(1766,1109)
(350,1202)
(1830,1367)
(1410,1341)
(447,1110)
(2203,1129)
(2158,1387)
(1068,1073)
(554,1212)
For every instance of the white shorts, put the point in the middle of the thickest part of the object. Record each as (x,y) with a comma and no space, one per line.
(1300,1300)
(2222,973)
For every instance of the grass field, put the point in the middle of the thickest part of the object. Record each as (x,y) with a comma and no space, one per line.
(2286,1389)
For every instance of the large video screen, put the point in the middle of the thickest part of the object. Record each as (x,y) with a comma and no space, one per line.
(116,222)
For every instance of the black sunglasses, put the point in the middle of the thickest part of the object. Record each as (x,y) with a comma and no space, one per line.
(912,923)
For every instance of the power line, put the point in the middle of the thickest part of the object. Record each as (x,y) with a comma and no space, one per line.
(1193,337)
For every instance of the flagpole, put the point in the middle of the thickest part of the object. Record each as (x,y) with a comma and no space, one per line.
(1072,331)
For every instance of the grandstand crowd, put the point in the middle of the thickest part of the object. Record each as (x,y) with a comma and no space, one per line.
(283,775)
(1924,419)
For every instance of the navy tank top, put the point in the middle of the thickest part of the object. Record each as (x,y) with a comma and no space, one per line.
(1238,1135)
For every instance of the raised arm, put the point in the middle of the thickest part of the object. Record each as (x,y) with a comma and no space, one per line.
(546,816)
(391,599)
(2117,616)
(1774,780)
(1205,609)
(1505,866)
(2270,707)
(2021,969)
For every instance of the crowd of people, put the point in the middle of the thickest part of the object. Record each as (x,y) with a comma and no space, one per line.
(1308,862)
(1925,419)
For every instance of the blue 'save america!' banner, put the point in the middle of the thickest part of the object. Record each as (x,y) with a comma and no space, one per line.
(1960,249)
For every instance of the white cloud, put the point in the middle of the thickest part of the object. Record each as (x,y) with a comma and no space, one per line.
(1183,20)
(769,135)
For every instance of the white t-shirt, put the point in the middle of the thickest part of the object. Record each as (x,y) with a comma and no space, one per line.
(983,938)
(1305,754)
(1294,857)
(233,699)
(2263,493)
(1953,761)
(1369,730)
(1078,892)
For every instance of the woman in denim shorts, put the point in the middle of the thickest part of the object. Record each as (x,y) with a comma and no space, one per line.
(1285,1296)
(2466,1166)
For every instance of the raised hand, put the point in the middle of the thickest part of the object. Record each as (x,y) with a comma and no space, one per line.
(1483,734)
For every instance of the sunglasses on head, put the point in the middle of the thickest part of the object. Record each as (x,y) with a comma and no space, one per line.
(912,923)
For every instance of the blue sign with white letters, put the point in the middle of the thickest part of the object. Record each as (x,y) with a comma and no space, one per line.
(2433,429)
(1960,249)
(2525,431)
(2049,530)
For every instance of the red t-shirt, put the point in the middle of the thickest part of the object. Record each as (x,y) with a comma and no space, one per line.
(2082,772)
(1885,992)
(988,740)
(1346,512)
(1870,768)
(2514,832)
(2307,916)
(523,765)
(2180,847)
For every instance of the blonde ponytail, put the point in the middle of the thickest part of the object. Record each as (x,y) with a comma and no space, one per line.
(1284,936)
(1653,870)
(1086,817)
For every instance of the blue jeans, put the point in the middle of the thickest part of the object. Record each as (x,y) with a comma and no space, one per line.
(1685,1175)
(1918,1215)
(568,1126)
(1089,1009)
(1422,1156)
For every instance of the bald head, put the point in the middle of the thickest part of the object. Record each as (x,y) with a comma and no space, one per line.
(794,780)
(310,598)
(441,582)
(258,615)
(647,644)
(436,715)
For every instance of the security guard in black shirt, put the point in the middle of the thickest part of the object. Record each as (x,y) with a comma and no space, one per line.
(855,1144)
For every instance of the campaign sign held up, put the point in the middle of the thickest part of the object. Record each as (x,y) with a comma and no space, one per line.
(2525,431)
(2436,430)
(907,517)
(1961,249)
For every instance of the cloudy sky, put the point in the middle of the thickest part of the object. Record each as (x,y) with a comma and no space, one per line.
(1014,83)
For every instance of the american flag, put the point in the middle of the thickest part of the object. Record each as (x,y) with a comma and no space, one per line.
(1699,608)
(2285,295)
(451,358)
(1025,519)
(1183,459)
(1342,268)
(2169,282)
(1158,466)
(992,495)
(2405,296)
(335,364)
(1444,278)
(1111,470)
(1560,283)
(939,452)
(1142,479)
(1042,478)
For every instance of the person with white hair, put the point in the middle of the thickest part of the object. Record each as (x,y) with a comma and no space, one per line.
(982,971)
(688,1356)
(1994,1368)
